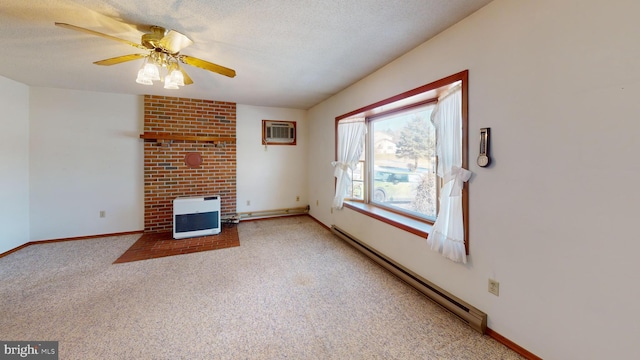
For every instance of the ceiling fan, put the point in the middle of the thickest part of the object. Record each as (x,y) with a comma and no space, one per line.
(162,56)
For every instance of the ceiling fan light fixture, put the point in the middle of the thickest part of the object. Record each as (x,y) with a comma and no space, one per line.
(151,71)
(142,79)
(162,54)
(177,77)
(170,85)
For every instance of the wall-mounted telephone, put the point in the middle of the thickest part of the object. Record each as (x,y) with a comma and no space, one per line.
(483,158)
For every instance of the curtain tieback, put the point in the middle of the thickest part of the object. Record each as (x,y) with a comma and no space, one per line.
(341,165)
(459,176)
(341,169)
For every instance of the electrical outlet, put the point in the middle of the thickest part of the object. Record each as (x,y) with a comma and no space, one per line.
(103,213)
(317,202)
(494,287)
(297,198)
(248,202)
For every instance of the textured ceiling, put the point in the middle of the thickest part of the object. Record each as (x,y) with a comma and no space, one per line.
(286,53)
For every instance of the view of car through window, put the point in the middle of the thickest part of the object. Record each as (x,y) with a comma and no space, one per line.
(400,189)
(402,163)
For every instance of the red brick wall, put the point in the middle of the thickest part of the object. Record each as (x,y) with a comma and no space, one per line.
(166,176)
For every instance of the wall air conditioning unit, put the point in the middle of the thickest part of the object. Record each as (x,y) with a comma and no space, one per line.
(278,132)
(196,216)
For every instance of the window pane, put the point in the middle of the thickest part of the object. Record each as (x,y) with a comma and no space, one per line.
(356,190)
(404,162)
(357,182)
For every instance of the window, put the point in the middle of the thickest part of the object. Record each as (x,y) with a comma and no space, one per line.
(396,179)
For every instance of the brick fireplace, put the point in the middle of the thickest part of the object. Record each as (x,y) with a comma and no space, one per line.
(177,128)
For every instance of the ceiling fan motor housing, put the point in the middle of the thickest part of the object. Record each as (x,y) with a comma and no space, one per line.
(152,40)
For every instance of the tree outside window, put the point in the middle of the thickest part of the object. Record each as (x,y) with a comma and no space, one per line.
(403,161)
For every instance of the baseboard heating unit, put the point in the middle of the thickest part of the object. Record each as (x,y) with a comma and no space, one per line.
(196,216)
(467,313)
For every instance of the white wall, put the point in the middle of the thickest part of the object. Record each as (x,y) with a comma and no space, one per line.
(270,177)
(14,164)
(85,156)
(81,154)
(553,219)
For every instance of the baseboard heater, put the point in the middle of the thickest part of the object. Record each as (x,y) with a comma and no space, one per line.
(273,213)
(467,313)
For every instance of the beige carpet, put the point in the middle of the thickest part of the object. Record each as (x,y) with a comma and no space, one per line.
(291,291)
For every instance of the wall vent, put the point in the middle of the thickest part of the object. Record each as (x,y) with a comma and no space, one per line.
(278,132)
(475,318)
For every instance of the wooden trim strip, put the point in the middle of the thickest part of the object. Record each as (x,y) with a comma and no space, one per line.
(319,223)
(465,154)
(463,75)
(14,250)
(511,345)
(38,242)
(402,108)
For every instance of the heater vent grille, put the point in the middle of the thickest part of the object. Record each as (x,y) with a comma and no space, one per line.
(196,216)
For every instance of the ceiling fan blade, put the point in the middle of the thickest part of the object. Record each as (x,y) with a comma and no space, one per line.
(189,60)
(120,59)
(174,41)
(187,78)
(91,32)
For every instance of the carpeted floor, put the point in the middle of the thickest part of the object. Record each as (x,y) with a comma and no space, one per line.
(156,245)
(291,291)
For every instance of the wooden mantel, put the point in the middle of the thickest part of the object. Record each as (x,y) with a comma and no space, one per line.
(167,136)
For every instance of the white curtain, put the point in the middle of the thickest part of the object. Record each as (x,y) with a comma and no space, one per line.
(350,138)
(447,236)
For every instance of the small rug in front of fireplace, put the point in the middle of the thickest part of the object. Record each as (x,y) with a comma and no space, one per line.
(156,245)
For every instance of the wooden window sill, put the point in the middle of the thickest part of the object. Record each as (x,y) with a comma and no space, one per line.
(405,223)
